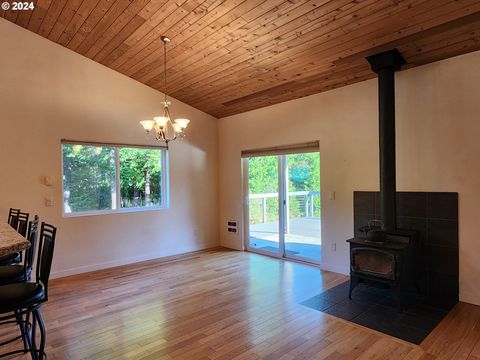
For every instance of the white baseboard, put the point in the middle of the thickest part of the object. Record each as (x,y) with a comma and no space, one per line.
(334,268)
(119,262)
(469,298)
(100,266)
(327,267)
(233,246)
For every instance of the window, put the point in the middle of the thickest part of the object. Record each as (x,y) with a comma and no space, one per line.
(101,179)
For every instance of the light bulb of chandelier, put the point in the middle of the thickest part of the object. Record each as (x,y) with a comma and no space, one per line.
(147,124)
(182,123)
(177,128)
(161,120)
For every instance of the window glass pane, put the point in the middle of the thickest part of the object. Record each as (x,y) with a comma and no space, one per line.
(303,225)
(140,177)
(263,203)
(88,178)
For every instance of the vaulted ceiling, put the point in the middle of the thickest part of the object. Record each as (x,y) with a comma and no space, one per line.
(230,56)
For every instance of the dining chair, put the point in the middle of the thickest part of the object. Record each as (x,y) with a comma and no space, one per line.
(22,223)
(14,258)
(12,217)
(20,303)
(19,273)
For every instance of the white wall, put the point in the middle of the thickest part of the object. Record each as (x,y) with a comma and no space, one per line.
(438,149)
(48,93)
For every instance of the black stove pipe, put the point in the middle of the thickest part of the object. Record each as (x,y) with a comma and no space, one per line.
(385,64)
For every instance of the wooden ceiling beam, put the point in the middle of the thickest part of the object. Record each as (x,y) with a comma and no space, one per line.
(439,29)
(302,90)
(293,84)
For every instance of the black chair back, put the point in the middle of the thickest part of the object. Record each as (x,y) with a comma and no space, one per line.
(45,254)
(32,237)
(13,217)
(22,223)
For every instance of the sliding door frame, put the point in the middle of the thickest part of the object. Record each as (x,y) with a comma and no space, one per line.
(283,212)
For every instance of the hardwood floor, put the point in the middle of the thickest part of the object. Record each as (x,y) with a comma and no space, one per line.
(223,304)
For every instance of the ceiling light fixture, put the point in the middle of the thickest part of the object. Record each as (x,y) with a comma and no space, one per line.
(165,129)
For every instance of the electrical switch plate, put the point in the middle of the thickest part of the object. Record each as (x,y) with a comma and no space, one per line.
(48,181)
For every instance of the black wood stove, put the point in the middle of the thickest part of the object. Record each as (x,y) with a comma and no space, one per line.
(393,263)
(385,255)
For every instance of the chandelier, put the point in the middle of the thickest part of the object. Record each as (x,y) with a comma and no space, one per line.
(165,129)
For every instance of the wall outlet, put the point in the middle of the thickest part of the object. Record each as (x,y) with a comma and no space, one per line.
(48,202)
(333,247)
(232,226)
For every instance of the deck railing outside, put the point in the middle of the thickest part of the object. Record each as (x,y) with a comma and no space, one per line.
(302,203)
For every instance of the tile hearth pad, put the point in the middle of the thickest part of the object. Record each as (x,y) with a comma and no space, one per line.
(375,308)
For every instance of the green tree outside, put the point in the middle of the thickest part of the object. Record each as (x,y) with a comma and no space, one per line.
(303,175)
(89,177)
(140,177)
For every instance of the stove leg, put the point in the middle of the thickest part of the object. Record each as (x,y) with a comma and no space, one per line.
(353,283)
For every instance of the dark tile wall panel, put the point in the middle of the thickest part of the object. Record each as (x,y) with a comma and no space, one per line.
(443,206)
(435,216)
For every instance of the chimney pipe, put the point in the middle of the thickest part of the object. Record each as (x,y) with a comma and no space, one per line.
(385,64)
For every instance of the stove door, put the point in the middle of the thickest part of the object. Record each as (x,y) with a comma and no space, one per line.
(374,262)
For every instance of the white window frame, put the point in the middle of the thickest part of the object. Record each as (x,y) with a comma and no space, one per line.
(164,186)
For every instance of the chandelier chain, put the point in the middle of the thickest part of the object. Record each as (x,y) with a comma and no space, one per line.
(165,69)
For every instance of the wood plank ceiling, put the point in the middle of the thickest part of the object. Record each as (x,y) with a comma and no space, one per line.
(230,56)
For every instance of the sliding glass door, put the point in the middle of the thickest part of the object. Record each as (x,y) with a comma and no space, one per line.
(264,205)
(302,217)
(283,205)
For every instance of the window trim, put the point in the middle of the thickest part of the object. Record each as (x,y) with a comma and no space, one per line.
(164,178)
